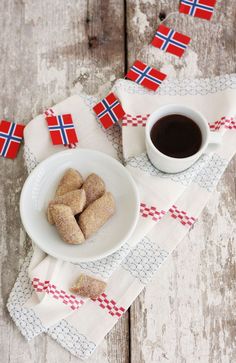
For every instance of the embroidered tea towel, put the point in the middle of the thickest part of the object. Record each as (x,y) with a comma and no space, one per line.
(168,209)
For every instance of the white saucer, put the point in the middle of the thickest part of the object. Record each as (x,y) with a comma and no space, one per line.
(40,187)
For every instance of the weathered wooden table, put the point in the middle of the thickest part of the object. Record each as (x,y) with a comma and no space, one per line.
(49,48)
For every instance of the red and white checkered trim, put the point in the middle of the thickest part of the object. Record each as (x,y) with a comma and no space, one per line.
(71,146)
(73,302)
(110,305)
(50,289)
(181,216)
(50,112)
(224,122)
(151,211)
(139,120)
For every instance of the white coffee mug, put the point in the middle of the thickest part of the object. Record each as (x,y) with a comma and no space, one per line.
(175,165)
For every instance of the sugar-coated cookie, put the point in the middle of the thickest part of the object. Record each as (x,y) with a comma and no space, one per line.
(76,200)
(66,224)
(88,286)
(71,180)
(96,214)
(94,188)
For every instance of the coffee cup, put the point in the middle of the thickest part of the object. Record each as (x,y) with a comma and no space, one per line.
(170,164)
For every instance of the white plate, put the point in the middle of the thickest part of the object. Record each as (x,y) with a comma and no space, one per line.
(40,187)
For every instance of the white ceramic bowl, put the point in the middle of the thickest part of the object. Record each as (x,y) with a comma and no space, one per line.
(40,187)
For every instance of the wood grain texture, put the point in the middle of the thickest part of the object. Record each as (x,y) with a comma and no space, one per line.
(212,47)
(187,314)
(49,48)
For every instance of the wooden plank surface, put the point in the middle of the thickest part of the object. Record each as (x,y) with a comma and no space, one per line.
(187,314)
(47,49)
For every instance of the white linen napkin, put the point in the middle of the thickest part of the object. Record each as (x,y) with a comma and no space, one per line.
(170,203)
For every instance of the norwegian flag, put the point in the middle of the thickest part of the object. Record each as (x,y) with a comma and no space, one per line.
(11,135)
(198,8)
(50,112)
(109,110)
(62,129)
(170,41)
(145,76)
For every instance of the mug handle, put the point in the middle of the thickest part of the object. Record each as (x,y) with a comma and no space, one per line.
(215,139)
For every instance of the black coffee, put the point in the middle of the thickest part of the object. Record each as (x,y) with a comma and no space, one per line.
(176,136)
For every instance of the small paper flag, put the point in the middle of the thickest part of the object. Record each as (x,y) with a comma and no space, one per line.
(198,8)
(145,75)
(62,129)
(11,135)
(109,110)
(170,41)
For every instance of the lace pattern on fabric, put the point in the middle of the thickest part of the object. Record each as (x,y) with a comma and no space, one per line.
(69,337)
(31,326)
(143,163)
(30,160)
(25,319)
(205,172)
(144,260)
(106,266)
(182,87)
